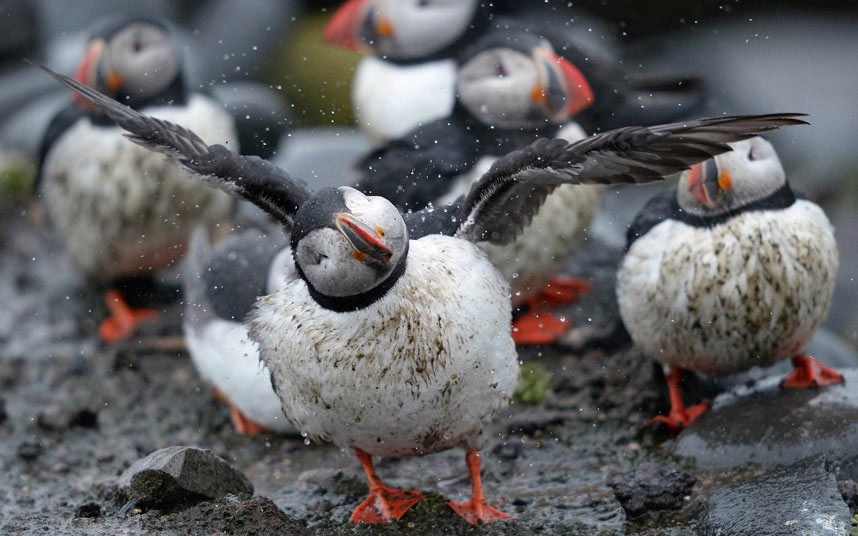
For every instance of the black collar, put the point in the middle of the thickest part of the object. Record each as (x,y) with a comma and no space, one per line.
(345,304)
(781,198)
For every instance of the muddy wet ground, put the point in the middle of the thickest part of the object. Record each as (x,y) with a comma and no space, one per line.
(74,415)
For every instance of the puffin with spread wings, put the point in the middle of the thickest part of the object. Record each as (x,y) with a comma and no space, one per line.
(391,333)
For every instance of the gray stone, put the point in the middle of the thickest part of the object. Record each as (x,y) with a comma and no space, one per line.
(762,423)
(800,499)
(180,476)
(653,488)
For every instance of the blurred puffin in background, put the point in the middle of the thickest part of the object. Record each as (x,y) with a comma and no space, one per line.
(121,211)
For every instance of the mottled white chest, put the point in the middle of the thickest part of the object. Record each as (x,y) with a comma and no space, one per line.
(552,237)
(122,209)
(420,370)
(390,100)
(718,300)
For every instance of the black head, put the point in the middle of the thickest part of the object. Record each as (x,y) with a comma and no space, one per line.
(135,61)
(348,247)
(745,176)
(514,79)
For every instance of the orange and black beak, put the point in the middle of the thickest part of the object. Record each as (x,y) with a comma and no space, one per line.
(563,90)
(367,242)
(707,182)
(94,72)
(355,25)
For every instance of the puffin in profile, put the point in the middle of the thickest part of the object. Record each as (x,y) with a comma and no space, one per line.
(511,91)
(221,284)
(412,49)
(727,271)
(121,212)
(391,333)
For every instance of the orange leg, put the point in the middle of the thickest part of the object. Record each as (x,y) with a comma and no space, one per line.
(679,417)
(810,373)
(384,504)
(539,326)
(477,510)
(123,320)
(242,424)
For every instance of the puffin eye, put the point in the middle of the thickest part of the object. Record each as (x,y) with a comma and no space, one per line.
(751,155)
(500,70)
(138,43)
(423,3)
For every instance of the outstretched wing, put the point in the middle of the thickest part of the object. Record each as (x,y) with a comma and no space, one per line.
(249,177)
(506,198)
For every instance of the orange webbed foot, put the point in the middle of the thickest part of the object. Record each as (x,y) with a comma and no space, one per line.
(123,320)
(477,510)
(680,418)
(538,328)
(384,504)
(810,373)
(561,290)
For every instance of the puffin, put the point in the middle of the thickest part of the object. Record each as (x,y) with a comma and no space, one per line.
(121,212)
(728,270)
(220,285)
(391,333)
(412,47)
(510,92)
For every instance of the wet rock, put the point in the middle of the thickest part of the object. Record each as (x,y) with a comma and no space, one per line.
(765,424)
(29,450)
(652,489)
(174,477)
(229,515)
(89,510)
(3,415)
(800,499)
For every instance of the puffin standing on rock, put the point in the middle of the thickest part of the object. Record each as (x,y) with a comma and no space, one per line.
(121,211)
(727,271)
(391,333)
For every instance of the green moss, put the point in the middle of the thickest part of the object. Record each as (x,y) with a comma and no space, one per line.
(315,76)
(854,531)
(534,384)
(16,178)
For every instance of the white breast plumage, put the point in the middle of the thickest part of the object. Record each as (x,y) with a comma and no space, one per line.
(717,300)
(391,100)
(420,370)
(123,209)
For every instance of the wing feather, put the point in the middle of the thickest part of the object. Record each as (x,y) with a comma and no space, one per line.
(505,199)
(249,177)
